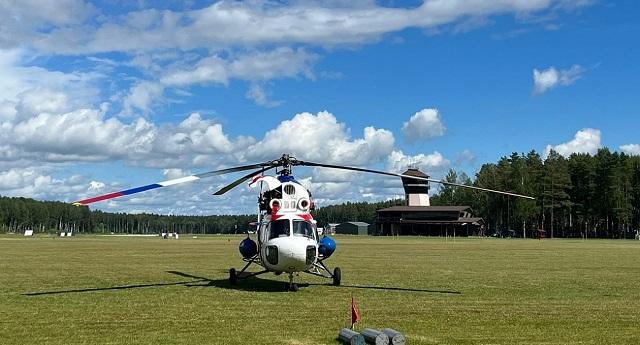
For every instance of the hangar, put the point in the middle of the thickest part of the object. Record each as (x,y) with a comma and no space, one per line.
(429,221)
(418,217)
(353,228)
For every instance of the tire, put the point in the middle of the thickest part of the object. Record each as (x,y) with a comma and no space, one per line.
(294,287)
(233,277)
(337,276)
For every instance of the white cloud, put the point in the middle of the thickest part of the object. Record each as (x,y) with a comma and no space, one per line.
(24,20)
(227,24)
(587,140)
(212,69)
(281,62)
(433,164)
(544,80)
(259,95)
(424,124)
(322,138)
(96,186)
(631,149)
(169,46)
(142,96)
(89,135)
(82,134)
(36,183)
(466,157)
(31,90)
(256,67)
(174,173)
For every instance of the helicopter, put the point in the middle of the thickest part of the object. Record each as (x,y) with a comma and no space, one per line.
(287,237)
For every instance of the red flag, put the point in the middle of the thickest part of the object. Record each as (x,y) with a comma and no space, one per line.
(355,316)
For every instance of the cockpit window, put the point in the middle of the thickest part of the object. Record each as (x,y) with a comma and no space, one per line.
(303,228)
(279,228)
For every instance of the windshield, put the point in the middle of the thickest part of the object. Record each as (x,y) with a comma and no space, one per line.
(279,228)
(303,228)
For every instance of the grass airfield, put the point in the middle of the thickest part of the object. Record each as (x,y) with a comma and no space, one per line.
(117,290)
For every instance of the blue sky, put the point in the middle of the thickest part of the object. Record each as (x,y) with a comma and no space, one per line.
(100,96)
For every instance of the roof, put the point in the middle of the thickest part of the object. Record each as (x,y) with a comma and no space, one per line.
(424,209)
(356,223)
(415,172)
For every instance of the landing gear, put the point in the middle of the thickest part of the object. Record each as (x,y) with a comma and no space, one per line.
(337,276)
(321,270)
(291,286)
(233,277)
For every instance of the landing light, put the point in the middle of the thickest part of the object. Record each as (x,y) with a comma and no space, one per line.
(311,254)
(272,255)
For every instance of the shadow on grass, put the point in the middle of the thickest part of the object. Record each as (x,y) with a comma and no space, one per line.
(121,287)
(246,284)
(268,285)
(249,284)
(388,288)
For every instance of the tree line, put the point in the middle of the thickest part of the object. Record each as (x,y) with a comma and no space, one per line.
(19,214)
(579,196)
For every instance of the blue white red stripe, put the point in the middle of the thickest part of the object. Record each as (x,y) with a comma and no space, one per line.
(137,190)
(172,182)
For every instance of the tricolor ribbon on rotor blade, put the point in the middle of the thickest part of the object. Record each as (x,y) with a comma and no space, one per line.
(173,182)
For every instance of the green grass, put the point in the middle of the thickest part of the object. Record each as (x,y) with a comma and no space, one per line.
(104,290)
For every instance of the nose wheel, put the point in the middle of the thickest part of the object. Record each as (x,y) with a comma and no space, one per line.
(291,286)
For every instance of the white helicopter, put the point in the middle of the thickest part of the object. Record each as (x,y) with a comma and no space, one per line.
(286,231)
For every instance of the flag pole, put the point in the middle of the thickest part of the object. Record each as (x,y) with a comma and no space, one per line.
(355,315)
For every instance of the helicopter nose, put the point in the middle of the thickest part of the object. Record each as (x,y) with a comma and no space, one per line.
(293,255)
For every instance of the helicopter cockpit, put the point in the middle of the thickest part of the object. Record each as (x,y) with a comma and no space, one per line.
(282,228)
(304,228)
(279,228)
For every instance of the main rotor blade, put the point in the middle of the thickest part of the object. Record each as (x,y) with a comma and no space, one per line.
(170,183)
(239,181)
(311,164)
(476,188)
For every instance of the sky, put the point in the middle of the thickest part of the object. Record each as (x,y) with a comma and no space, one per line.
(97,97)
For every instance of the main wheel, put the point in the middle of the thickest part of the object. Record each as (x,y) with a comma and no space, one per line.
(337,276)
(293,287)
(233,276)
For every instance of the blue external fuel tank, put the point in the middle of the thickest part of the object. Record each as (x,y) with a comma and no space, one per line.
(326,246)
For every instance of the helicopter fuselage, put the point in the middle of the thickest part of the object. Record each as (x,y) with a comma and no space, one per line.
(288,251)
(287,235)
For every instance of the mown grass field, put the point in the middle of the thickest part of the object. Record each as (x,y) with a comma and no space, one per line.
(114,290)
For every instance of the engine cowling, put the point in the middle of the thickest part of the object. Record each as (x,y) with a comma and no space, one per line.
(248,248)
(326,246)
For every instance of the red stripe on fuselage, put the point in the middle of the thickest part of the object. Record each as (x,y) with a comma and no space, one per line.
(305,216)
